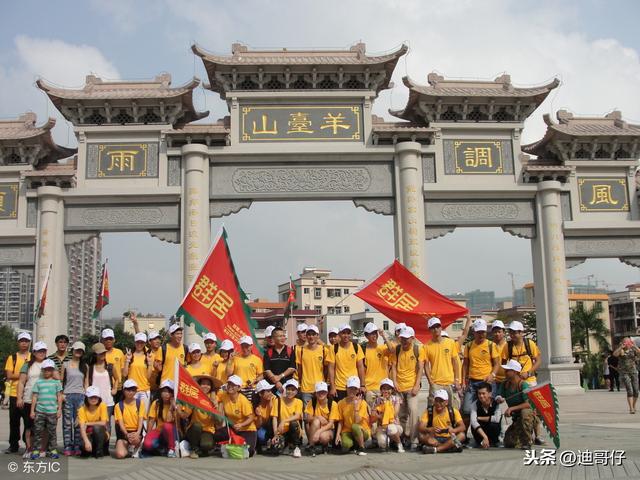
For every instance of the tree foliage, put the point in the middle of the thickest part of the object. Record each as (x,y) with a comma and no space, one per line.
(586,323)
(8,344)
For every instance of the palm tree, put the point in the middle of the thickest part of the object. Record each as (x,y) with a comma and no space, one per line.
(587,323)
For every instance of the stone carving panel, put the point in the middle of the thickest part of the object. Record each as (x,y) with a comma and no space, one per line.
(496,213)
(528,231)
(32,212)
(384,206)
(435,232)
(222,209)
(631,261)
(428,169)
(601,247)
(281,180)
(472,157)
(174,172)
(17,255)
(126,160)
(122,217)
(565,204)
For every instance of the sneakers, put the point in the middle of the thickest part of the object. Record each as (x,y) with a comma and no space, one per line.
(77,453)
(539,441)
(400,448)
(35,454)
(171,454)
(10,450)
(194,454)
(456,442)
(360,453)
(297,453)
(27,455)
(68,452)
(429,449)
(53,454)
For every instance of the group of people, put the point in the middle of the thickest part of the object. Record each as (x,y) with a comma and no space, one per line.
(341,396)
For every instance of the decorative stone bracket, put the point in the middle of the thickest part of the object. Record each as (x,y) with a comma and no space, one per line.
(222,209)
(383,206)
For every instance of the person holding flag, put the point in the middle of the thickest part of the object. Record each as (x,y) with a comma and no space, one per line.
(520,433)
(202,424)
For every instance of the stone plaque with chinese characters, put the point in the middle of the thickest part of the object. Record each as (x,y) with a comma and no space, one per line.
(468,157)
(122,160)
(8,200)
(300,123)
(603,194)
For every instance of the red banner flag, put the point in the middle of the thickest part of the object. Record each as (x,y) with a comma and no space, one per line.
(103,295)
(43,295)
(215,302)
(543,399)
(188,392)
(403,297)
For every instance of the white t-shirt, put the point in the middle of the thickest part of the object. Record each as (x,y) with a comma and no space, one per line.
(33,374)
(101,380)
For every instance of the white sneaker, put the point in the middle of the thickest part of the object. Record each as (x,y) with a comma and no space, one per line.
(297,453)
(400,448)
(361,453)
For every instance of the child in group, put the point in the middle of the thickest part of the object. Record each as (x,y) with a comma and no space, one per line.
(46,409)
(385,414)
(161,433)
(286,414)
(263,402)
(441,428)
(352,416)
(93,419)
(202,427)
(320,427)
(130,414)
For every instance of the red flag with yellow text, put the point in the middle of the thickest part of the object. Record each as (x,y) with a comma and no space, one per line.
(403,297)
(215,302)
(543,399)
(187,392)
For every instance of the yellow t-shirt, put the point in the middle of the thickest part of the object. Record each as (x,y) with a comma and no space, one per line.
(387,413)
(130,416)
(220,372)
(198,370)
(319,411)
(237,411)
(172,354)
(138,370)
(376,362)
(116,357)
(153,413)
(480,362)
(247,368)
(344,413)
(20,361)
(153,382)
(281,410)
(345,361)
(209,361)
(263,414)
(500,376)
(405,363)
(441,420)
(519,353)
(196,416)
(441,357)
(98,415)
(313,363)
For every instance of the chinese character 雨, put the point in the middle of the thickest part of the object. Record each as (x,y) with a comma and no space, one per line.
(602,194)
(122,160)
(478,157)
(265,128)
(334,122)
(299,123)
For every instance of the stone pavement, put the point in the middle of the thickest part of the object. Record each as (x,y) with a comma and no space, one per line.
(595,421)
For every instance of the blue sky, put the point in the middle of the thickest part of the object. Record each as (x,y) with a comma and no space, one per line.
(591,45)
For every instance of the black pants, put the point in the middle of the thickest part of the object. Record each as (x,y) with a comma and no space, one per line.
(614,376)
(293,435)
(340,394)
(491,430)
(99,442)
(15,414)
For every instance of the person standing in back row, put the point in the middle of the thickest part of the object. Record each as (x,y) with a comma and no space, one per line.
(346,359)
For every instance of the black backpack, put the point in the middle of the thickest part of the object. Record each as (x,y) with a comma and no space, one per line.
(527,347)
(452,416)
(355,344)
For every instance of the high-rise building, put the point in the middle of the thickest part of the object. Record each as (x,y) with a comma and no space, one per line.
(17,297)
(85,271)
(478,301)
(624,309)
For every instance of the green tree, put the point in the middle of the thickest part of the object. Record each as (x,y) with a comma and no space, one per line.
(530,325)
(8,344)
(587,323)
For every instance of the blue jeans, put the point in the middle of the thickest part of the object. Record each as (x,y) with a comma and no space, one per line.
(470,396)
(70,426)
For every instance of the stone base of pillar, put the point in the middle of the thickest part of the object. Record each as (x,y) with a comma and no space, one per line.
(565,378)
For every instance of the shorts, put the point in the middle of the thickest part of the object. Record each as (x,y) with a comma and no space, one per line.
(120,435)
(442,439)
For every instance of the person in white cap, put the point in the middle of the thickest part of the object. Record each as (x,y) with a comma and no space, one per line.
(286,414)
(239,412)
(524,350)
(210,358)
(279,360)
(407,364)
(499,338)
(333,336)
(385,413)
(161,427)
(441,427)
(442,366)
(138,366)
(130,414)
(320,427)
(521,432)
(201,428)
(481,363)
(196,366)
(93,420)
(351,415)
(226,349)
(301,337)
(376,361)
(29,374)
(312,362)
(46,408)
(165,356)
(102,374)
(268,336)
(263,404)
(115,357)
(75,380)
(155,348)
(247,366)
(12,368)
(346,359)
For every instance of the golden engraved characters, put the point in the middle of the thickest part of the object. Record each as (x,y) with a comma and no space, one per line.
(299,123)
(602,194)
(122,160)
(477,157)
(334,122)
(264,129)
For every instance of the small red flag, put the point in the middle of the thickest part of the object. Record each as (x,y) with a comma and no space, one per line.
(543,399)
(43,295)
(188,392)
(103,295)
(404,298)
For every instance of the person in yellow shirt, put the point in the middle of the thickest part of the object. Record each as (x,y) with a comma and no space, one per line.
(263,404)
(499,339)
(311,361)
(346,359)
(320,426)
(441,427)
(239,412)
(155,345)
(247,366)
(301,337)
(385,415)
(210,358)
(220,371)
(115,357)
(407,365)
(376,361)
(93,420)
(161,427)
(351,414)
(165,356)
(12,368)
(286,415)
(525,351)
(202,427)
(197,367)
(130,413)
(442,365)
(138,366)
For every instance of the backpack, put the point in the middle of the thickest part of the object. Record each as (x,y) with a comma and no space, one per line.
(300,362)
(121,405)
(271,349)
(355,344)
(468,345)
(164,356)
(527,347)
(452,417)
(416,352)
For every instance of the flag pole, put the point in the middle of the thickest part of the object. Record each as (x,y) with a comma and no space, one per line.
(176,420)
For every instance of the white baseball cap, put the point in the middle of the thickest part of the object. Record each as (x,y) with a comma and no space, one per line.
(400,326)
(269,330)
(235,379)
(130,383)
(387,381)
(291,383)
(479,325)
(442,394)
(516,326)
(167,384)
(353,382)
(48,363)
(153,334)
(140,337)
(24,336)
(322,387)
(39,346)
(497,324)
(334,331)
(174,328)
(226,345)
(344,327)
(194,347)
(78,346)
(92,391)
(444,333)
(209,336)
(313,328)
(434,322)
(370,327)
(107,333)
(263,385)
(513,365)
(303,327)
(407,332)
(247,340)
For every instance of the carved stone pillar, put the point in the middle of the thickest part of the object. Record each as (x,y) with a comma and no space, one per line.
(51,251)
(409,222)
(551,293)
(195,226)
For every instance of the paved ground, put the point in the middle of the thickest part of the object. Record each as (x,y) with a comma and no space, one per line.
(594,421)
